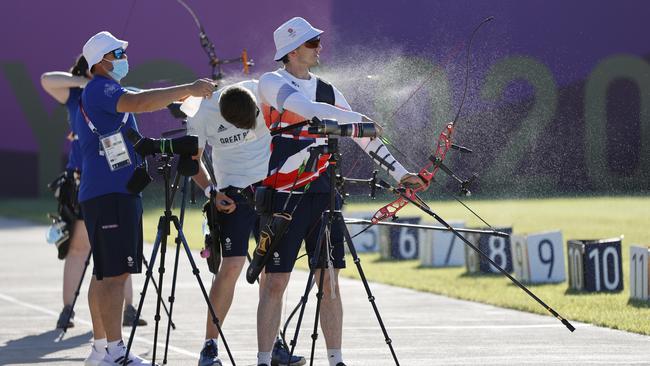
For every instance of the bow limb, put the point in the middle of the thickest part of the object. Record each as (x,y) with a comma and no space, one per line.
(206,44)
(444,143)
(193,14)
(426,174)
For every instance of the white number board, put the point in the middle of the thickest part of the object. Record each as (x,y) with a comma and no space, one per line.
(595,265)
(538,258)
(472,259)
(368,241)
(575,253)
(400,242)
(494,247)
(639,273)
(442,248)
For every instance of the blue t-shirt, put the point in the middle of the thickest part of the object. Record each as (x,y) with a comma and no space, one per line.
(72,105)
(99,100)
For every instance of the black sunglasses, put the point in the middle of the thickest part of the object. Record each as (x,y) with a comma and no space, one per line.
(118,53)
(313,43)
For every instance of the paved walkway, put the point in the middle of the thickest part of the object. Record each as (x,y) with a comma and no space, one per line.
(426,329)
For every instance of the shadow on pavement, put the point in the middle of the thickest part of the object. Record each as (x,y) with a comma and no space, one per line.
(35,348)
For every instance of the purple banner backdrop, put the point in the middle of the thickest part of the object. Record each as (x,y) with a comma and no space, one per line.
(558,96)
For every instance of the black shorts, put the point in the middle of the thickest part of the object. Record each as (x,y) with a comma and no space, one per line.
(114,224)
(305,224)
(236,227)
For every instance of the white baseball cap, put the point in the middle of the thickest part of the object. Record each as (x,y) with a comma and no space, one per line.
(291,35)
(101,44)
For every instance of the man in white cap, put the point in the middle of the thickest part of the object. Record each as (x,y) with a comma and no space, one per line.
(290,95)
(112,213)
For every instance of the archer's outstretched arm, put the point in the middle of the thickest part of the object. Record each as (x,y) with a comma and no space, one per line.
(380,154)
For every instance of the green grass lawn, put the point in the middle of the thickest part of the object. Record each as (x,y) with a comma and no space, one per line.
(33,209)
(578,218)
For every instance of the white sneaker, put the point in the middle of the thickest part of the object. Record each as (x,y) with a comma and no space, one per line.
(118,359)
(96,356)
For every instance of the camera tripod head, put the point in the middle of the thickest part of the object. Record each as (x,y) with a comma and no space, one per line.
(185,146)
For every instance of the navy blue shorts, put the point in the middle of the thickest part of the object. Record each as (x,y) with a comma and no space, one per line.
(305,224)
(114,224)
(236,227)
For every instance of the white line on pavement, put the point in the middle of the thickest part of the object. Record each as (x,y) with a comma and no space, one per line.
(512,326)
(86,322)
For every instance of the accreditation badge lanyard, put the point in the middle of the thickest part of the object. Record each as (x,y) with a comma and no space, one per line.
(111,145)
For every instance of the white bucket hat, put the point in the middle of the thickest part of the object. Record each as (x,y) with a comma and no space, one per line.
(101,44)
(291,35)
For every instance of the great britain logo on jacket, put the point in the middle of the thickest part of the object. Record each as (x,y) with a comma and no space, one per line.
(110,89)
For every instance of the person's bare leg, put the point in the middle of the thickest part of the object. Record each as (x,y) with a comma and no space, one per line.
(128,291)
(269,309)
(110,292)
(222,292)
(331,313)
(95,310)
(75,261)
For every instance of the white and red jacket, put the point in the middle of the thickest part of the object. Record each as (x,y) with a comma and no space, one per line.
(286,100)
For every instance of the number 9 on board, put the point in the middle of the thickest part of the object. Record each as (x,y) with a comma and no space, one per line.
(538,258)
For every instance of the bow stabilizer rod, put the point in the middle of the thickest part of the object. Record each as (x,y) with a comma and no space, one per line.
(428,211)
(428,227)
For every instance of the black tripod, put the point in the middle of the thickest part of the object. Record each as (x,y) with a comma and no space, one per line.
(81,280)
(328,219)
(164,223)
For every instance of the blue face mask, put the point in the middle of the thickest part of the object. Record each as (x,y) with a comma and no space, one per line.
(120,69)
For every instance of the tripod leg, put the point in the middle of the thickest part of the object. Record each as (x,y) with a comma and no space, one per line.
(172,298)
(371,298)
(196,273)
(305,296)
(76,293)
(322,253)
(164,224)
(155,286)
(283,332)
(143,293)
(301,304)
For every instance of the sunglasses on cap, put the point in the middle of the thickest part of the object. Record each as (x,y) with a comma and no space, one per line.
(118,53)
(313,43)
